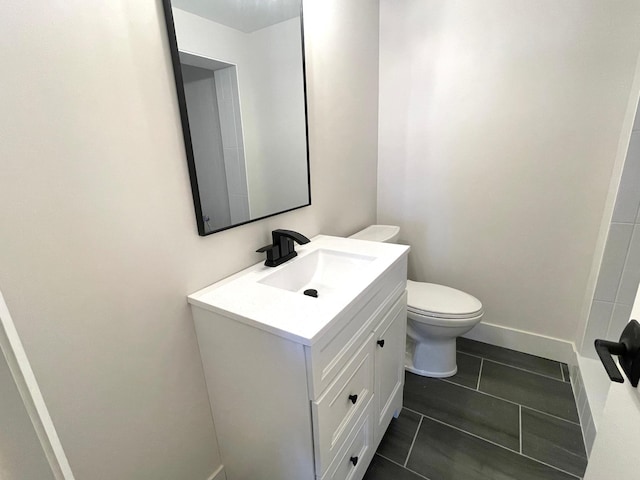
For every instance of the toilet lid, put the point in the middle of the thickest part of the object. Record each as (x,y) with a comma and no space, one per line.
(439,301)
(377,233)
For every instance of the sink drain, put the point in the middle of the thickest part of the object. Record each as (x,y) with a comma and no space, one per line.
(312,292)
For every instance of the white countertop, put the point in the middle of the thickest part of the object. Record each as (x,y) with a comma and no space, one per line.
(291,314)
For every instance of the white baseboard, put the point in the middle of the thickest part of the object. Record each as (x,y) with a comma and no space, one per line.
(218,474)
(527,342)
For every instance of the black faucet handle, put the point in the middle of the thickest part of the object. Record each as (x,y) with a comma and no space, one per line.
(280,233)
(273,254)
(282,248)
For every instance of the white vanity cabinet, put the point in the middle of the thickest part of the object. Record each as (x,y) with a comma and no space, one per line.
(306,409)
(369,383)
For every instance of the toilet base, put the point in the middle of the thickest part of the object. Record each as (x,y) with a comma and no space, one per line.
(423,373)
(435,358)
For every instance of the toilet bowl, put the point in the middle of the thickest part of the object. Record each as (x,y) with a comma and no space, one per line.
(436,316)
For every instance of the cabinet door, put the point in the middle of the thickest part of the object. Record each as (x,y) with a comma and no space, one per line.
(389,366)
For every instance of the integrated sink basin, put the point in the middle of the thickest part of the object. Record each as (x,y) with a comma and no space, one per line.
(321,270)
(343,271)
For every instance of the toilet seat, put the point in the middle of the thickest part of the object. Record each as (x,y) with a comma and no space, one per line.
(431,301)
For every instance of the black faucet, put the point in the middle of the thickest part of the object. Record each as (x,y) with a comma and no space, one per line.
(282,248)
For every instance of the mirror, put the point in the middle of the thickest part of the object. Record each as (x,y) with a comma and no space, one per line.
(240,80)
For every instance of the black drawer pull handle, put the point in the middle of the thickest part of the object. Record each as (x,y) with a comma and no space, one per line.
(381,343)
(354,399)
(354,460)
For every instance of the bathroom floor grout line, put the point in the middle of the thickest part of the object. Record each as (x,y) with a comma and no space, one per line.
(513,366)
(479,374)
(494,443)
(427,478)
(552,466)
(414,440)
(504,400)
(475,435)
(551,415)
(404,468)
(525,370)
(520,426)
(387,458)
(479,391)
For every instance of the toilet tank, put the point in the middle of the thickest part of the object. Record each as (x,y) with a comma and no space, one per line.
(379,233)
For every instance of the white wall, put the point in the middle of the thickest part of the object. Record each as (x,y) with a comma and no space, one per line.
(499,123)
(99,245)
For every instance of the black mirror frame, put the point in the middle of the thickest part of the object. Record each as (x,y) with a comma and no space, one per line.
(186,132)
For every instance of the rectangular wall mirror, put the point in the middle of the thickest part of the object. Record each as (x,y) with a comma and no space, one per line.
(240,80)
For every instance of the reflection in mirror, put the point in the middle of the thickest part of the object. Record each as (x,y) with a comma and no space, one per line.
(239,68)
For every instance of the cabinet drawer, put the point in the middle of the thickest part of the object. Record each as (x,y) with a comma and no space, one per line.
(358,449)
(326,358)
(335,413)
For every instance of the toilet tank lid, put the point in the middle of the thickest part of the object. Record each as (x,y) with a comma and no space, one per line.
(430,298)
(378,233)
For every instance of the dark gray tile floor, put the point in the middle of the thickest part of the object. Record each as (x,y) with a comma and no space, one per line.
(505,415)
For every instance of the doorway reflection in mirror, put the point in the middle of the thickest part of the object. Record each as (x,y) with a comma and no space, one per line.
(241,68)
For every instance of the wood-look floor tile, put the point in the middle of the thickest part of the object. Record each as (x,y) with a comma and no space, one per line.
(382,469)
(443,453)
(536,391)
(514,358)
(483,415)
(398,438)
(553,441)
(468,370)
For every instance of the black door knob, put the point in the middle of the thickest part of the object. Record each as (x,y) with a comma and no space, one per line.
(381,343)
(628,352)
(354,460)
(353,398)
(605,350)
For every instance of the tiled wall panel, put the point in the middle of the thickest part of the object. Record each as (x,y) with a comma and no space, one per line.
(620,270)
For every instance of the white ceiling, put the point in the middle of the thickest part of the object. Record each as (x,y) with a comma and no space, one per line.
(244,15)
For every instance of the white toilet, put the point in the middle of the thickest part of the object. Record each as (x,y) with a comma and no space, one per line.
(436,316)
